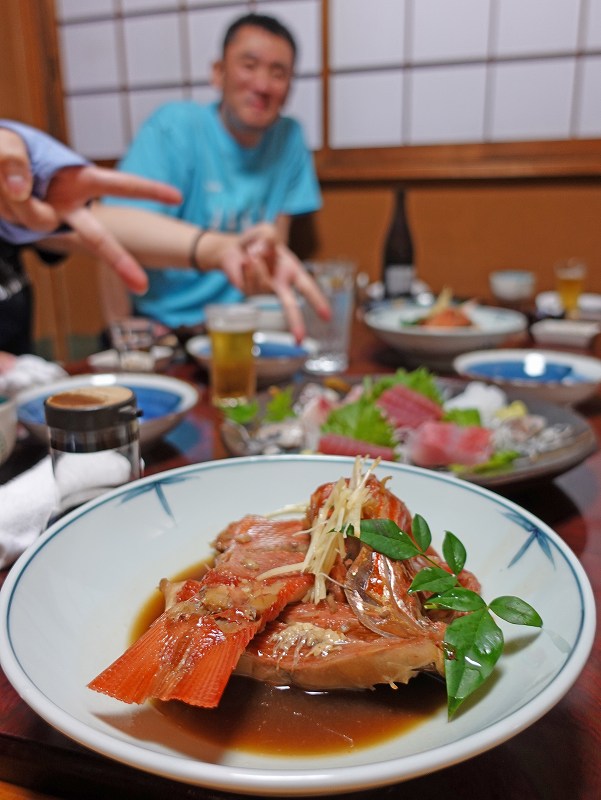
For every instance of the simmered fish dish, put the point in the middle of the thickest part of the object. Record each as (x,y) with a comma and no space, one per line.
(301,602)
(349,596)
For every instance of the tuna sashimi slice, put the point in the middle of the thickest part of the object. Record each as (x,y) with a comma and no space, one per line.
(406,408)
(335,444)
(437,444)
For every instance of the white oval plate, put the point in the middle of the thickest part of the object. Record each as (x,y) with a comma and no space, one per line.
(163,401)
(578,333)
(438,346)
(68,605)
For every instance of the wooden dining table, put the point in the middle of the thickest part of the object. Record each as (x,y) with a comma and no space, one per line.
(557,757)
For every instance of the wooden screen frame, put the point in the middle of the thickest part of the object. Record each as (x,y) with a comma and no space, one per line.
(531,161)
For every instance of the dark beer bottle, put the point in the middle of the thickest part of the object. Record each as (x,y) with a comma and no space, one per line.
(398,262)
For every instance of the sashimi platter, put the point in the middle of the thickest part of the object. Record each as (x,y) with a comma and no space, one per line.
(476,431)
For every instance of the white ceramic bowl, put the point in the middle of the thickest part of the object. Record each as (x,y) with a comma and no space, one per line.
(565,332)
(512,285)
(436,347)
(271,314)
(163,400)
(558,377)
(279,357)
(52,642)
(8,427)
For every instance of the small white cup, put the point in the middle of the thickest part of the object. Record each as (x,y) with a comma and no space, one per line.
(512,285)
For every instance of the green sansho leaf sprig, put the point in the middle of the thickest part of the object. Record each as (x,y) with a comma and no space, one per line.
(473,643)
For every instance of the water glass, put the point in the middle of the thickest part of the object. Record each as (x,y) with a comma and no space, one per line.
(332,338)
(231,328)
(133,339)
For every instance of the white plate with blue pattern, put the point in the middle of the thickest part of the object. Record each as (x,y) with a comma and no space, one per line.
(68,605)
(554,376)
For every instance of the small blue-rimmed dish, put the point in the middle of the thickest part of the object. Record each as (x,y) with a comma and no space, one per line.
(565,378)
(163,401)
(279,356)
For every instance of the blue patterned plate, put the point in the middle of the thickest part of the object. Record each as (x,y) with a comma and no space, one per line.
(108,556)
(557,376)
(163,401)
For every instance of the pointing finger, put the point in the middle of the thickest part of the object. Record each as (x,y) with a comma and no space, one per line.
(103,244)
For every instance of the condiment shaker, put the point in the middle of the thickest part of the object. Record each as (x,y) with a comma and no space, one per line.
(94,441)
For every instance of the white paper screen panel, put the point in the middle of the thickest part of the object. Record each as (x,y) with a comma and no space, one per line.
(402,72)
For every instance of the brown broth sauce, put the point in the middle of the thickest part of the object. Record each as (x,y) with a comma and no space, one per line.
(272,720)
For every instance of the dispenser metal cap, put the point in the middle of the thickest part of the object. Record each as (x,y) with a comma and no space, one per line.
(91,408)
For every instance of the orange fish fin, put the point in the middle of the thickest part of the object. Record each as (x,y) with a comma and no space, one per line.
(173,660)
(205,683)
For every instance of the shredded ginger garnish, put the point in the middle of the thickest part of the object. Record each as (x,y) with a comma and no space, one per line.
(340,511)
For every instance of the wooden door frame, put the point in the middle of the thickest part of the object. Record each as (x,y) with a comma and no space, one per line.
(31,92)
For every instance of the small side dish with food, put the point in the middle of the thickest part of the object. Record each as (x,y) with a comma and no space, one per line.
(349,594)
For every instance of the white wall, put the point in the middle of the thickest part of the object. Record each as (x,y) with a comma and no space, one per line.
(404,72)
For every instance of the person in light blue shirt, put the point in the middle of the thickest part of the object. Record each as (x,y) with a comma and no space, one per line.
(45,194)
(237,162)
(46,187)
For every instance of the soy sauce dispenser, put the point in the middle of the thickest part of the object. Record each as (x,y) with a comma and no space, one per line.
(94,441)
(398,261)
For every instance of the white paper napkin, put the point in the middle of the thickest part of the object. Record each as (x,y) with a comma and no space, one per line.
(29,371)
(29,501)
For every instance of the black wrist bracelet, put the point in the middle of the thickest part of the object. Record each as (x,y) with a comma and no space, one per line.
(193,261)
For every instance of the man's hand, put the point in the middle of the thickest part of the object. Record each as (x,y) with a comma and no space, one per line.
(70,191)
(262,263)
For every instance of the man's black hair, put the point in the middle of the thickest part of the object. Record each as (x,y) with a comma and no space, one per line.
(267,23)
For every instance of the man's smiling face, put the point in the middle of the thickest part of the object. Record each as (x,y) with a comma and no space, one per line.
(254,77)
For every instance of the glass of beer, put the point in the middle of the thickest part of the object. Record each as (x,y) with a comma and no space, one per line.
(570,276)
(231,328)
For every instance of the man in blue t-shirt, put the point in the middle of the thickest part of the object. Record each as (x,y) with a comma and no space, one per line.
(236,162)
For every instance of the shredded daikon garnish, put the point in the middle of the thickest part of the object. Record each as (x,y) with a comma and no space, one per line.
(341,510)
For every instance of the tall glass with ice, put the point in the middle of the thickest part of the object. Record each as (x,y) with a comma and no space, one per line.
(337,281)
(231,328)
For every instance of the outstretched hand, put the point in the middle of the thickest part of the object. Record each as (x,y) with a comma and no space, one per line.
(264,264)
(70,191)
